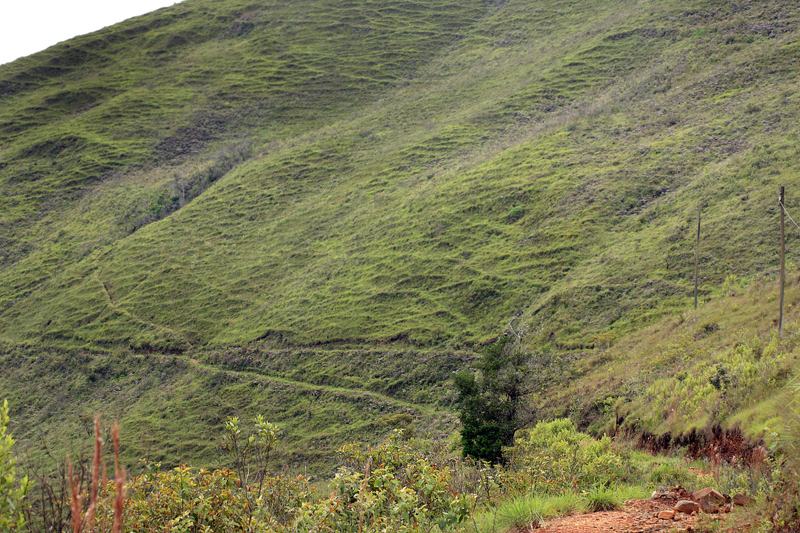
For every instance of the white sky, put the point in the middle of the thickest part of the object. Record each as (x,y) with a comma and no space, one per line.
(28,26)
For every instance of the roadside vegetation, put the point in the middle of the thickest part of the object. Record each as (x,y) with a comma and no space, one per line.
(403,484)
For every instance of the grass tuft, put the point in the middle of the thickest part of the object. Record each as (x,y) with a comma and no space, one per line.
(602,499)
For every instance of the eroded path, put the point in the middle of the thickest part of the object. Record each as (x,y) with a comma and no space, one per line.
(636,516)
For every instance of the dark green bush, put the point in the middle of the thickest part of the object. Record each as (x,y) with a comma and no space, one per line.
(515,214)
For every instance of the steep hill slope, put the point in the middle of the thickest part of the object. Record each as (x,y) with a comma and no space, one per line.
(113,130)
(417,183)
(386,176)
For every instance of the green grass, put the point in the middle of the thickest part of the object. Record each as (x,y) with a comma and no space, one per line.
(530,511)
(602,499)
(517,514)
(669,474)
(720,365)
(387,219)
(172,408)
(349,193)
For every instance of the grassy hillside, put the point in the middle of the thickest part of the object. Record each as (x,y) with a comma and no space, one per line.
(112,130)
(320,179)
(522,160)
(173,407)
(722,365)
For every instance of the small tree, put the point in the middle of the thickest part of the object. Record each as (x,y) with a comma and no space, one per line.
(12,490)
(490,402)
(251,451)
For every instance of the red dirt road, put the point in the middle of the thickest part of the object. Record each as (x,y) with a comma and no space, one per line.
(636,516)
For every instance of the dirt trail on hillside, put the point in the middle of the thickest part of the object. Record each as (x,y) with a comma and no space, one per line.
(636,516)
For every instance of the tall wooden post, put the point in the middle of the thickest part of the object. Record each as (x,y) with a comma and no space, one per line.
(697,256)
(783,264)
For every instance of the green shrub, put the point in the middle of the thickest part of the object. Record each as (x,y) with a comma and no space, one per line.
(12,489)
(388,488)
(489,404)
(183,500)
(392,487)
(515,214)
(555,457)
(250,451)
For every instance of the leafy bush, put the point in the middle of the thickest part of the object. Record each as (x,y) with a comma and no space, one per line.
(515,214)
(12,489)
(250,451)
(389,488)
(182,500)
(554,457)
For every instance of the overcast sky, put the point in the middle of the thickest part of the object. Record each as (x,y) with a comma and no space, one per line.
(27,26)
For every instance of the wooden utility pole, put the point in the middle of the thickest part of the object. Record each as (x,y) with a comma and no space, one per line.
(697,256)
(783,264)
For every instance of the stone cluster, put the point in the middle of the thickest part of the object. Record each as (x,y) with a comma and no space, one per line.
(707,500)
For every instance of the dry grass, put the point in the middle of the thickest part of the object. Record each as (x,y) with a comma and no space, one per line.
(85,520)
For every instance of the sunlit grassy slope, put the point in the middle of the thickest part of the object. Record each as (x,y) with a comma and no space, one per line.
(366,160)
(724,365)
(357,175)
